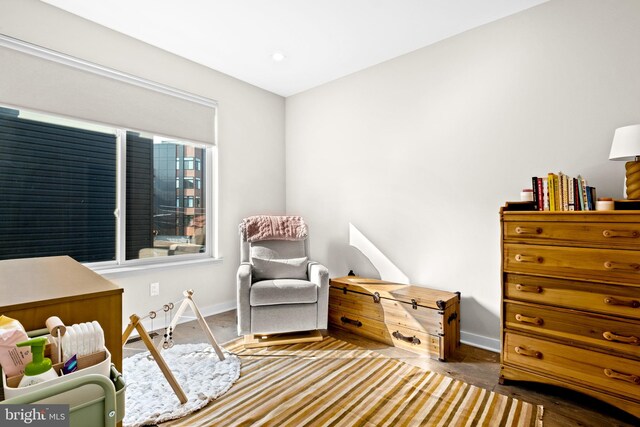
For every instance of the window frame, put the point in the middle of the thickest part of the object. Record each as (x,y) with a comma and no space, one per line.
(211,158)
(211,214)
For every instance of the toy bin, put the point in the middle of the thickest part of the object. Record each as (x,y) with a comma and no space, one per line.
(95,363)
(105,408)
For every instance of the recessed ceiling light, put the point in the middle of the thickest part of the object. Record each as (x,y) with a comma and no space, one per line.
(278,56)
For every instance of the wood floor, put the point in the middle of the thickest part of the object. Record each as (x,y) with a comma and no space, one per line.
(563,408)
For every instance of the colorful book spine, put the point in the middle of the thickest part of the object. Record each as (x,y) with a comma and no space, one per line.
(576,195)
(585,201)
(540,194)
(534,187)
(572,205)
(565,192)
(557,195)
(545,192)
(552,192)
(552,201)
(580,194)
(590,198)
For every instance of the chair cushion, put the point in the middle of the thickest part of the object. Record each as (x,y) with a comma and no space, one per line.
(286,268)
(283,291)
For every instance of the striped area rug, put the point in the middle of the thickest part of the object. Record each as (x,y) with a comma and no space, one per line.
(334,383)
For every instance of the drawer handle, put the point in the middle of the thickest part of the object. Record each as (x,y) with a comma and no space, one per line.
(529,288)
(412,340)
(621,233)
(529,353)
(620,376)
(627,303)
(526,319)
(611,265)
(610,336)
(355,323)
(528,258)
(528,230)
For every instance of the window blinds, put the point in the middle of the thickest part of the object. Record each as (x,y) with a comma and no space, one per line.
(39,79)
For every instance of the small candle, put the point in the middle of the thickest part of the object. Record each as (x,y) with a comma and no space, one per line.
(604,204)
(526,195)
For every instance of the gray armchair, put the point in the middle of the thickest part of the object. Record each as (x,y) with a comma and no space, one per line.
(279,289)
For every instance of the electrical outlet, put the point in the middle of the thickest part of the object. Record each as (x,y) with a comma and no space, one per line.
(154,289)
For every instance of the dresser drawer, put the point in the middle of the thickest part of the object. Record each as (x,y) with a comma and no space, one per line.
(612,334)
(613,374)
(596,297)
(609,265)
(603,234)
(394,312)
(395,335)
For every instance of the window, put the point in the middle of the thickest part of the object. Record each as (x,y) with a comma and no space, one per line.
(68,172)
(198,164)
(188,163)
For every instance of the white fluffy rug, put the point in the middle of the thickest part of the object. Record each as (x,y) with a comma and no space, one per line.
(149,397)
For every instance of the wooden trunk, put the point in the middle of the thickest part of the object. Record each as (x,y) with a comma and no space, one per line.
(571,302)
(422,320)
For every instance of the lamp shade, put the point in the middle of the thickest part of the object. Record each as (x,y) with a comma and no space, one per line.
(626,143)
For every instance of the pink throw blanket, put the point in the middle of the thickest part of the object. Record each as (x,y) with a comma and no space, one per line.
(268,227)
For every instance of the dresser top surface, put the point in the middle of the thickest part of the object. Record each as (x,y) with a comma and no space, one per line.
(33,280)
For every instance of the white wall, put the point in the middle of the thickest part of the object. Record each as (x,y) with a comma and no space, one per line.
(420,152)
(250,133)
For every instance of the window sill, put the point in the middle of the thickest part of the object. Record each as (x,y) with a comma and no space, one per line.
(117,269)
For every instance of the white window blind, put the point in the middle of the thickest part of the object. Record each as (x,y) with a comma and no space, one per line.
(40,79)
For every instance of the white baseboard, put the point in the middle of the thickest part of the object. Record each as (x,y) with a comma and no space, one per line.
(210,310)
(469,338)
(480,341)
(221,307)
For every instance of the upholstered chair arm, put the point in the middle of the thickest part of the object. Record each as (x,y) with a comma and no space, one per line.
(319,275)
(244,289)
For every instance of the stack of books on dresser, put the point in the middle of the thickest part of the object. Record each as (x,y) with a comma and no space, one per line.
(559,192)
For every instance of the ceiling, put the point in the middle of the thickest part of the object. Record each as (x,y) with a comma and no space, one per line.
(321,40)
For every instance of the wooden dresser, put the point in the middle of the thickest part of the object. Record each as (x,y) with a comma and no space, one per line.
(33,289)
(415,318)
(571,302)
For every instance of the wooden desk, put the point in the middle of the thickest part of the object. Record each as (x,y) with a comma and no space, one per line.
(33,289)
